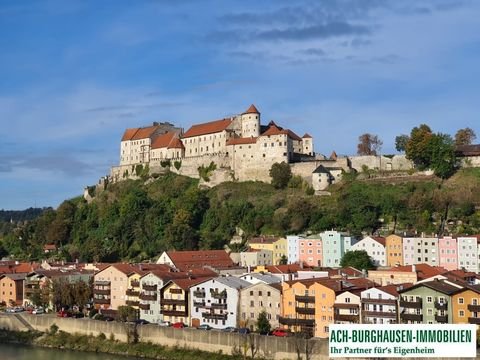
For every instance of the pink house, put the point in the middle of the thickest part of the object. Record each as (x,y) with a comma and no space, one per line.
(448,256)
(310,250)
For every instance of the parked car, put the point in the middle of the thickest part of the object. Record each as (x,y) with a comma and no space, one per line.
(164,323)
(178,325)
(64,314)
(204,327)
(141,322)
(78,315)
(10,310)
(281,333)
(17,309)
(38,310)
(230,329)
(108,318)
(244,331)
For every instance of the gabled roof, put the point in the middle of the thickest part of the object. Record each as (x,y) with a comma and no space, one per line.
(349,271)
(207,128)
(274,129)
(128,134)
(393,289)
(442,286)
(242,141)
(187,283)
(306,136)
(283,269)
(424,271)
(176,143)
(252,110)
(233,282)
(468,150)
(185,260)
(379,239)
(14,276)
(139,133)
(163,140)
(333,155)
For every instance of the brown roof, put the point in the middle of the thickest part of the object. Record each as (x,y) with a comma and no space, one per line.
(185,260)
(438,285)
(379,239)
(144,133)
(252,110)
(338,285)
(274,129)
(242,141)
(176,144)
(349,271)
(393,289)
(163,140)
(18,268)
(128,269)
(306,136)
(424,271)
(263,240)
(188,282)
(283,269)
(128,134)
(208,128)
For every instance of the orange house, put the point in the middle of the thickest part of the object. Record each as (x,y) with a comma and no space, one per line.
(11,289)
(466,306)
(394,250)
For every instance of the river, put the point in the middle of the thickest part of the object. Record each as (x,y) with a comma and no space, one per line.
(22,352)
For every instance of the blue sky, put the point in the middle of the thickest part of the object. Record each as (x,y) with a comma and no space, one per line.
(75,74)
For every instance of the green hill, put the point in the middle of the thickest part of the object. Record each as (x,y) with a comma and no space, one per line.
(137,220)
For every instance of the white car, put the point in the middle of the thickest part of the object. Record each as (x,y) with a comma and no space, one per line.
(39,310)
(164,323)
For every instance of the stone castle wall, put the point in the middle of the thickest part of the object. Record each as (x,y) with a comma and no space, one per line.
(397,162)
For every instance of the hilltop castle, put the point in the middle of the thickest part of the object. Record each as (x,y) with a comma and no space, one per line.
(239,145)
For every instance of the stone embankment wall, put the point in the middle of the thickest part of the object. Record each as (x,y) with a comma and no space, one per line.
(270,347)
(397,162)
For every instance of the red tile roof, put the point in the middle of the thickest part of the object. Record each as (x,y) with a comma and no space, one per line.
(379,239)
(252,110)
(176,144)
(188,282)
(242,141)
(424,271)
(163,140)
(145,133)
(283,269)
(128,134)
(185,260)
(274,129)
(394,288)
(208,128)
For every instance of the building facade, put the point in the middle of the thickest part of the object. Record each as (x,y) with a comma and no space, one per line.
(334,246)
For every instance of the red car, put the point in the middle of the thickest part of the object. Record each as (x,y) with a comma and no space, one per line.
(178,325)
(280,332)
(63,314)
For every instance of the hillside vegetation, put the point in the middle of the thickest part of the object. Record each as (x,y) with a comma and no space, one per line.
(137,220)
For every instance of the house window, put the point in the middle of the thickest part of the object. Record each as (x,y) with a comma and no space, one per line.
(429,299)
(460,300)
(461,313)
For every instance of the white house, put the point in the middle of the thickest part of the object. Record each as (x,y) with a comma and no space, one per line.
(216,302)
(375,248)
(380,305)
(292,248)
(255,278)
(468,253)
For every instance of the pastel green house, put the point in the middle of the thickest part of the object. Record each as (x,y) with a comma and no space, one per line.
(428,302)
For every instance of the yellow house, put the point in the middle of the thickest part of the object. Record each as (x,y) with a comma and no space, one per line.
(394,250)
(133,291)
(278,246)
(466,306)
(11,289)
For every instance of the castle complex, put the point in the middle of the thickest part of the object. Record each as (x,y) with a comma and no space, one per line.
(240,147)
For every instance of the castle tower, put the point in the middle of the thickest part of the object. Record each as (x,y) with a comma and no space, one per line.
(251,122)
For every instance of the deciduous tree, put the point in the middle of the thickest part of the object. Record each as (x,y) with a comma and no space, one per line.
(368,144)
(280,174)
(358,259)
(465,136)
(401,142)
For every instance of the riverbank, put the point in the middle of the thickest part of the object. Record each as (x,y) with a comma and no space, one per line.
(101,344)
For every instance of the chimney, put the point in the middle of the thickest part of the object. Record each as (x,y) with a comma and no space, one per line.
(414,268)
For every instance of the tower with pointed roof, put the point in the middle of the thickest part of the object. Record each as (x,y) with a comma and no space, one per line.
(250,120)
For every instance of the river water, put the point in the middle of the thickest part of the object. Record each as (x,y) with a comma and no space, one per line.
(21,352)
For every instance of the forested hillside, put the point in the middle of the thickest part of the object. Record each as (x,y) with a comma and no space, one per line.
(134,220)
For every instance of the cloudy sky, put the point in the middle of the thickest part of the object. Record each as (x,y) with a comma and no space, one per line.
(75,74)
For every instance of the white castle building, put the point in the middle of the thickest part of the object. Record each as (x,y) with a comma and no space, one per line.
(239,145)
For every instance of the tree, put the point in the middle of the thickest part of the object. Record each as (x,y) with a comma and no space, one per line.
(401,142)
(280,174)
(358,259)
(443,161)
(283,260)
(263,325)
(128,315)
(418,147)
(465,136)
(369,144)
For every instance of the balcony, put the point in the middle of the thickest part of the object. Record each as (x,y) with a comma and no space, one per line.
(172,302)
(382,314)
(441,318)
(305,299)
(347,317)
(416,304)
(473,308)
(199,293)
(296,321)
(214,316)
(474,320)
(346,306)
(379,301)
(133,303)
(218,306)
(219,295)
(101,301)
(199,303)
(149,287)
(135,283)
(131,292)
(440,306)
(173,312)
(305,310)
(148,297)
(101,292)
(411,317)
(144,306)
